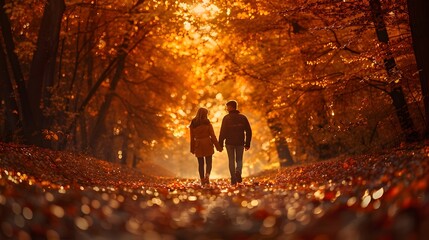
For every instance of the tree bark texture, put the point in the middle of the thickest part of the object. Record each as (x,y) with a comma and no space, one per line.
(418,11)
(25,112)
(397,94)
(42,71)
(11,119)
(99,126)
(282,147)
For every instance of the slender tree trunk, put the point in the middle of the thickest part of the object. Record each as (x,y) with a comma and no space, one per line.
(109,154)
(83,133)
(42,71)
(102,115)
(282,147)
(81,114)
(79,80)
(403,114)
(93,90)
(12,122)
(419,22)
(397,94)
(125,147)
(99,127)
(25,113)
(135,161)
(118,63)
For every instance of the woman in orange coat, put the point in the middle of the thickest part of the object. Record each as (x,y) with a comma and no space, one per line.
(203,139)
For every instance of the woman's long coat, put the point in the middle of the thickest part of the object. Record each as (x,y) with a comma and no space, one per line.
(203,139)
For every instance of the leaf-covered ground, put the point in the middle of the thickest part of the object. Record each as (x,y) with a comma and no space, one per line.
(58,195)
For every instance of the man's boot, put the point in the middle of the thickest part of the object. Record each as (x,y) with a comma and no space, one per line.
(238,176)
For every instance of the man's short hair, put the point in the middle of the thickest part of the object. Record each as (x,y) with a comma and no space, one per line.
(232,103)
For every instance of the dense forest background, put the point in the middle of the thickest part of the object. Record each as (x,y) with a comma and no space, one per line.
(121,80)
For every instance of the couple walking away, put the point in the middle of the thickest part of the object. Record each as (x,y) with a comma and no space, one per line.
(235,131)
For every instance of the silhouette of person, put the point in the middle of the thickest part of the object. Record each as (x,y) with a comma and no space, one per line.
(235,131)
(203,139)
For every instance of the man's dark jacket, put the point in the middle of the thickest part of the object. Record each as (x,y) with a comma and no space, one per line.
(235,130)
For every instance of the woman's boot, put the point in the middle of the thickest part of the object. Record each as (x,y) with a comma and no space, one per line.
(206,178)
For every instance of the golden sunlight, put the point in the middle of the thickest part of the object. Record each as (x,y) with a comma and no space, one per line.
(205,10)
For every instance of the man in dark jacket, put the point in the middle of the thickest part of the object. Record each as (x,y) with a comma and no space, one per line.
(237,134)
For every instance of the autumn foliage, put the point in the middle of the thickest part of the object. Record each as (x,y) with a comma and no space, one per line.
(336,92)
(49,194)
(327,77)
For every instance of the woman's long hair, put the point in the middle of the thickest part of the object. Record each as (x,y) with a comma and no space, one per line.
(200,118)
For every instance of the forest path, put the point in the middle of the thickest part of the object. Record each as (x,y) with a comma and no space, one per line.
(57,195)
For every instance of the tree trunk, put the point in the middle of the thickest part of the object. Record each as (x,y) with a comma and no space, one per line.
(25,113)
(93,90)
(125,147)
(419,23)
(135,161)
(12,122)
(282,147)
(397,94)
(102,114)
(42,71)
(404,117)
(83,133)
